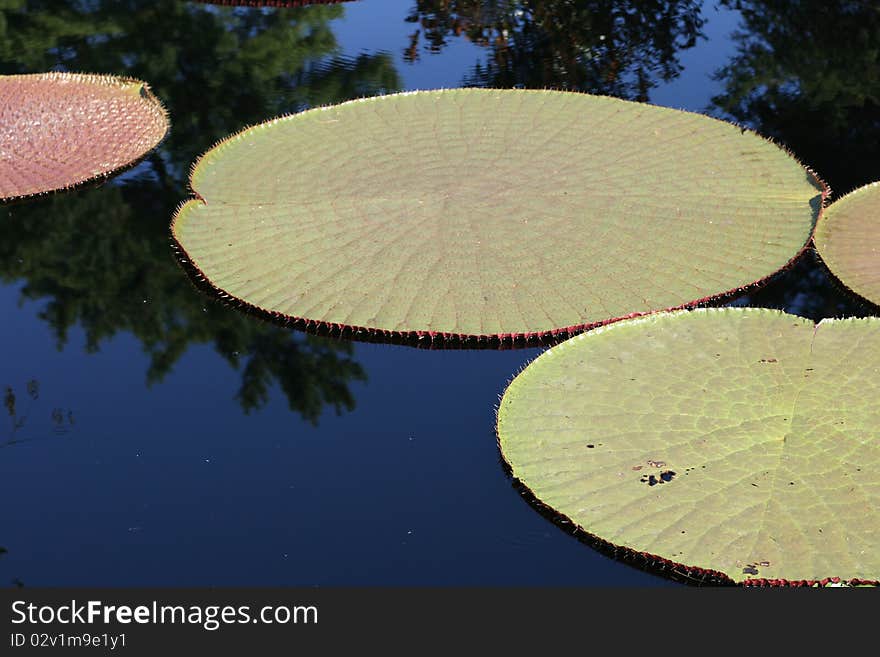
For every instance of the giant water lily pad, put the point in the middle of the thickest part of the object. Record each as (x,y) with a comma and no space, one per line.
(848,239)
(58,130)
(475,213)
(743,443)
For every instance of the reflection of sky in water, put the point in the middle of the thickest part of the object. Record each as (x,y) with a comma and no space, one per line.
(174,485)
(447,68)
(432,71)
(695,86)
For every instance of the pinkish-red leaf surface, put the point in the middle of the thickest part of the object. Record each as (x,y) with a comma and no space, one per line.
(58,130)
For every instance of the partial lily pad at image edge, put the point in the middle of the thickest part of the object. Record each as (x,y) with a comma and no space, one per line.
(848,239)
(712,446)
(59,130)
(480,215)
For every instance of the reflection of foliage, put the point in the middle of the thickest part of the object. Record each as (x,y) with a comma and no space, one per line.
(617,47)
(216,69)
(808,73)
(341,78)
(101,258)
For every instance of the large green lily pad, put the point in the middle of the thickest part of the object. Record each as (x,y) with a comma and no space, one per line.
(58,130)
(848,239)
(740,442)
(474,213)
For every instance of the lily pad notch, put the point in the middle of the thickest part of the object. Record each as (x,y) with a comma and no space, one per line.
(63,130)
(719,446)
(483,217)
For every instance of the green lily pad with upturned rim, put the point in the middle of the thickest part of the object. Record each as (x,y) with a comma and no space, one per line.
(848,239)
(717,445)
(59,130)
(475,215)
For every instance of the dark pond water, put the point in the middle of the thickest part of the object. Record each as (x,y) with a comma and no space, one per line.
(159,438)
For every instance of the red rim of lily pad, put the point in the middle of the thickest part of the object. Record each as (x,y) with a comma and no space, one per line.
(204,169)
(733,405)
(655,564)
(431,340)
(847,240)
(649,563)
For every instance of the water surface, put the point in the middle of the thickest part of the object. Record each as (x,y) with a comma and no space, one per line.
(169,440)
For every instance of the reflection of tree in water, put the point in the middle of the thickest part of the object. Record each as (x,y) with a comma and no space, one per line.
(216,69)
(101,257)
(616,47)
(807,74)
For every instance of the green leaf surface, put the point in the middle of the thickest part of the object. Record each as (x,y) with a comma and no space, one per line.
(848,239)
(58,130)
(739,441)
(485,213)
